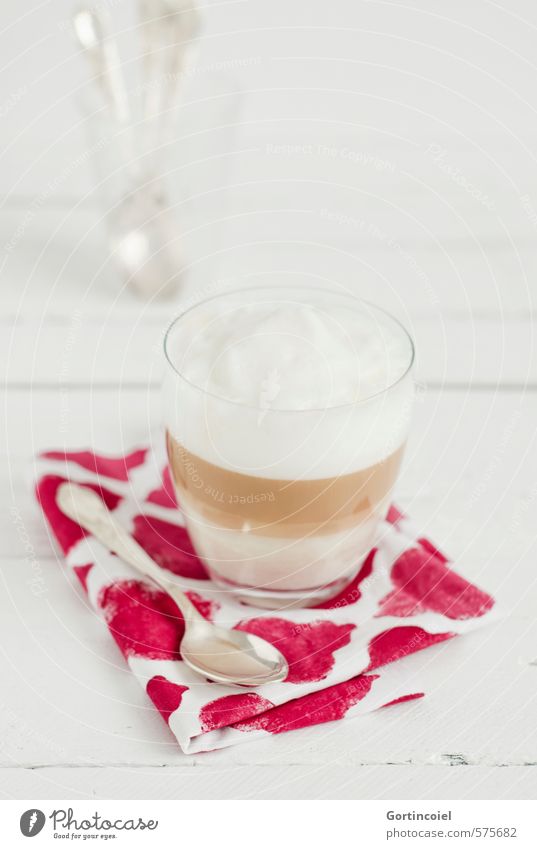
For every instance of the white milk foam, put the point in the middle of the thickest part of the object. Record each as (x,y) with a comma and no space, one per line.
(308,385)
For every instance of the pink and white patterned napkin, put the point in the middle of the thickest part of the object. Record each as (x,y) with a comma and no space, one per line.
(404,598)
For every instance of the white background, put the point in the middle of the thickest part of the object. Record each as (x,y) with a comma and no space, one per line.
(385,147)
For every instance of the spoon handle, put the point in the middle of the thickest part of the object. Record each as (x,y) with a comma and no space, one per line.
(105,528)
(103,55)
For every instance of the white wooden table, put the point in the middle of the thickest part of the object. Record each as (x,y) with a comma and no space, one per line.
(82,361)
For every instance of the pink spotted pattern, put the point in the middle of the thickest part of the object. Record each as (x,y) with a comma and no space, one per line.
(165,695)
(308,648)
(164,494)
(337,654)
(423,581)
(169,545)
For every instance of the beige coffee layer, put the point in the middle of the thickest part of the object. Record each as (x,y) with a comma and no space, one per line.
(283,508)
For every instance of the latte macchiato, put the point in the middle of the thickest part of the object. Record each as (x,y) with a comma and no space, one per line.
(286,414)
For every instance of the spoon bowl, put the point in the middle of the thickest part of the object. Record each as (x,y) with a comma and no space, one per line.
(218,653)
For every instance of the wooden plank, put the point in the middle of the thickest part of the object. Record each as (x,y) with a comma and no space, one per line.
(88,351)
(283,782)
(55,261)
(469,475)
(312,67)
(474,447)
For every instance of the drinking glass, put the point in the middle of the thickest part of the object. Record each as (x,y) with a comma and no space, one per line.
(282,505)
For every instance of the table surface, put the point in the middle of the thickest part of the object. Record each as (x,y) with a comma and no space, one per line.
(447,240)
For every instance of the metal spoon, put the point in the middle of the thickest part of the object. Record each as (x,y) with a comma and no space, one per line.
(170,29)
(144,241)
(102,53)
(223,655)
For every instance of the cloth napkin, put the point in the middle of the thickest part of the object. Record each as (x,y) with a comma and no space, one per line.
(404,598)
